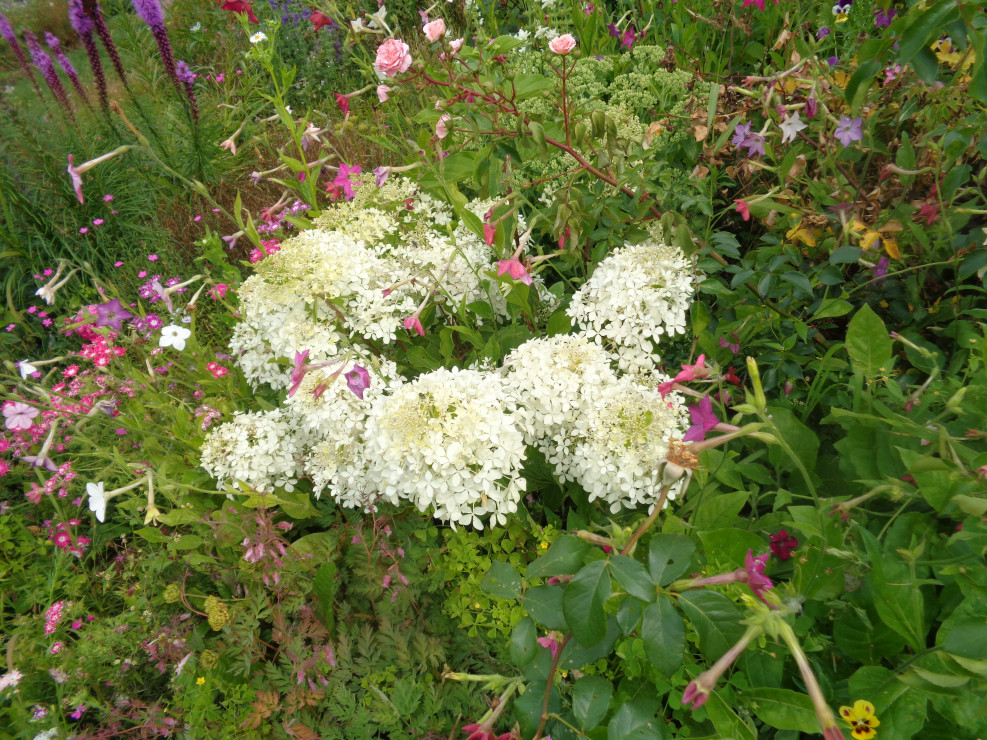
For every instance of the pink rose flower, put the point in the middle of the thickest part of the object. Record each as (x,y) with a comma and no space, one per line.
(456,45)
(393,58)
(382,91)
(441,128)
(435,30)
(562,45)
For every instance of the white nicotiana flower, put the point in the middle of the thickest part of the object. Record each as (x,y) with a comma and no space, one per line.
(791,126)
(255,450)
(635,296)
(26,369)
(258,37)
(196,28)
(174,336)
(97,500)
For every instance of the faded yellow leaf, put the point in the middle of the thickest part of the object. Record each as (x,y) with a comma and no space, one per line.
(891,247)
(802,234)
(870,239)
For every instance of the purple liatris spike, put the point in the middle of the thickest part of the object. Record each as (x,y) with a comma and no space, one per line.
(151,13)
(84,26)
(47,69)
(8,33)
(187,78)
(53,44)
(92,10)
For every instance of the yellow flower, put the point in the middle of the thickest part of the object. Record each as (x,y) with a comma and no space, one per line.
(861,719)
(544,545)
(200,680)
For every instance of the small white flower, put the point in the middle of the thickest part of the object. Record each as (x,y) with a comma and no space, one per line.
(97,500)
(174,336)
(26,369)
(258,37)
(196,28)
(790,127)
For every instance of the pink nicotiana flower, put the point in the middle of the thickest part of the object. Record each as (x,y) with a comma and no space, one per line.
(551,642)
(19,416)
(515,269)
(358,380)
(688,372)
(413,323)
(849,130)
(703,420)
(342,179)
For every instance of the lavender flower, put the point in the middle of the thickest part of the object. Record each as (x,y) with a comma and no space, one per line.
(44,64)
(8,33)
(151,13)
(740,134)
(849,129)
(84,26)
(883,17)
(54,44)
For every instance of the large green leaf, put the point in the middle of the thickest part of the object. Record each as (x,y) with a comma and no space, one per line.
(635,720)
(582,602)
(544,605)
(590,700)
(663,633)
(524,642)
(897,596)
(632,577)
(502,581)
(669,556)
(563,557)
(868,343)
(783,709)
(716,620)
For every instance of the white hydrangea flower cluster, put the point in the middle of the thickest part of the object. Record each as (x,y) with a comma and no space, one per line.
(450,440)
(359,273)
(607,433)
(258,450)
(636,295)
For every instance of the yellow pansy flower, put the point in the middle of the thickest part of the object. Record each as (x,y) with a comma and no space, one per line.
(861,719)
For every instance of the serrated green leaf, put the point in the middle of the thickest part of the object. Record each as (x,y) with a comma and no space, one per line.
(582,602)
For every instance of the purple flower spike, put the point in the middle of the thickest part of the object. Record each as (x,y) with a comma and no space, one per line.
(112,314)
(7,31)
(151,13)
(358,380)
(84,26)
(47,69)
(703,420)
(69,70)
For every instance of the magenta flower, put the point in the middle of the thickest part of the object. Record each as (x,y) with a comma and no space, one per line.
(112,314)
(298,373)
(849,130)
(756,580)
(811,107)
(358,380)
(881,268)
(688,372)
(381,174)
(550,641)
(342,179)
(515,269)
(413,323)
(19,416)
(703,420)
(758,3)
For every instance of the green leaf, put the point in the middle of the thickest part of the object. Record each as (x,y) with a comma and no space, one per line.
(783,709)
(502,581)
(544,605)
(669,556)
(524,642)
(897,597)
(582,603)
(590,700)
(716,620)
(719,511)
(861,81)
(864,643)
(188,542)
(563,557)
(868,343)
(575,655)
(966,638)
(324,586)
(632,577)
(152,535)
(728,547)
(635,720)
(663,633)
(832,308)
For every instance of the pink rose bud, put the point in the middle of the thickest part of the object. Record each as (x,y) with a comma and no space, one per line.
(393,58)
(435,30)
(382,91)
(563,44)
(456,45)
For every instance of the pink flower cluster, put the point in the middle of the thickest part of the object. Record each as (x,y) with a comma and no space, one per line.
(217,370)
(100,351)
(208,416)
(53,615)
(219,291)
